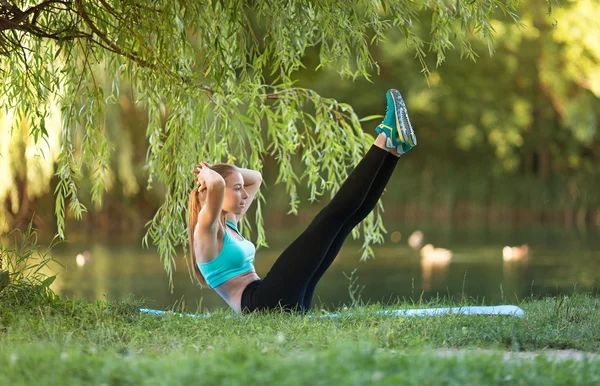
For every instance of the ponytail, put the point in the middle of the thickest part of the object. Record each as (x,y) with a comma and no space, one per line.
(193,210)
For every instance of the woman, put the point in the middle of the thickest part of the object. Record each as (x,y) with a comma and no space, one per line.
(222,258)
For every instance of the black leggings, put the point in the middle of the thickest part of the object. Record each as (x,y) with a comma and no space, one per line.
(292,280)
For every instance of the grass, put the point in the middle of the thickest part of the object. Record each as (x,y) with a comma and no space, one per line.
(75,342)
(45,340)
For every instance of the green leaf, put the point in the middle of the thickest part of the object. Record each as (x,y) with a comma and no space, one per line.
(370,118)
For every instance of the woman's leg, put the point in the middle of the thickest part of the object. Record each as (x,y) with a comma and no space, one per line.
(286,282)
(377,188)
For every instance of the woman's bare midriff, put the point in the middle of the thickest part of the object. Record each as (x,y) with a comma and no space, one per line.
(231,291)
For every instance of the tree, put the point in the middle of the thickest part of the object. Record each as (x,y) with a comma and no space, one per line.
(533,105)
(524,120)
(217,81)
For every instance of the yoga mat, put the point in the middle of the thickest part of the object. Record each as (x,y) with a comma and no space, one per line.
(470,310)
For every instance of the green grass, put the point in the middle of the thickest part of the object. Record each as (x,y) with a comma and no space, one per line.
(75,342)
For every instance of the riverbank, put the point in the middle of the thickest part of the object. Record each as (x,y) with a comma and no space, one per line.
(75,342)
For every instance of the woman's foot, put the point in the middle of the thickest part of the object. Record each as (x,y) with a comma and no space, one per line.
(396,124)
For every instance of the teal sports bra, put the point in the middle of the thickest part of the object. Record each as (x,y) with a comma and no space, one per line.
(235,258)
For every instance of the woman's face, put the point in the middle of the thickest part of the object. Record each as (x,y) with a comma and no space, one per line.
(235,194)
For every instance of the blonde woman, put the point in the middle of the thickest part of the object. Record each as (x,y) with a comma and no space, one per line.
(223,260)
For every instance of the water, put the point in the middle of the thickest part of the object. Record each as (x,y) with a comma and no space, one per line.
(559,262)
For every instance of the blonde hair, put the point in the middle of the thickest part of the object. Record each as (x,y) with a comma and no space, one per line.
(194,206)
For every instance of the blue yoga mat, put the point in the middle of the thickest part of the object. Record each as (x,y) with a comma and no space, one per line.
(470,310)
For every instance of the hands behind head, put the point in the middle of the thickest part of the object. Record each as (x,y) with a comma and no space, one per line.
(198,172)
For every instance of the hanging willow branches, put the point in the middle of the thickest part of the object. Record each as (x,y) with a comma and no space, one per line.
(216,80)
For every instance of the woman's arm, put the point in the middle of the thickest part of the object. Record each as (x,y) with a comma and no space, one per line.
(212,194)
(251,177)
(252,182)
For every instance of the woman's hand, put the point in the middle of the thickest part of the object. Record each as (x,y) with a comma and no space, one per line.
(201,170)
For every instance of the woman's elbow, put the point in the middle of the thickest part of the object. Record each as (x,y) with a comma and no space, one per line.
(258,177)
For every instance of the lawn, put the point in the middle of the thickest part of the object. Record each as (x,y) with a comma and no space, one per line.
(54,341)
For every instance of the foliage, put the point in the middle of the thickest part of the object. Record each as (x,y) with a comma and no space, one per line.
(530,109)
(216,79)
(26,262)
(534,105)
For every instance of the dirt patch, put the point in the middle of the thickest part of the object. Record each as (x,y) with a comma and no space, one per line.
(556,355)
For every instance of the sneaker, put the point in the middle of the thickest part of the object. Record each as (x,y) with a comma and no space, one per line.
(396,125)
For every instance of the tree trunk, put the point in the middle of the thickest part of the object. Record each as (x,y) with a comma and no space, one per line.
(3,276)
(3,279)
(544,164)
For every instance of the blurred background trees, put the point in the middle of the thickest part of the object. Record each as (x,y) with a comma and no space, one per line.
(515,133)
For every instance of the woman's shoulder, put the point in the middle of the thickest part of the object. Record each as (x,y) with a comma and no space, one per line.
(206,244)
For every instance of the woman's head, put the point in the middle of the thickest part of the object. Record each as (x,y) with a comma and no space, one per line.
(235,198)
(234,202)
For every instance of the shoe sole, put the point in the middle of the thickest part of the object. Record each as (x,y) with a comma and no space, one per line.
(405,129)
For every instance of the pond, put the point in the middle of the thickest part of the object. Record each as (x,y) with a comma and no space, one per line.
(560,261)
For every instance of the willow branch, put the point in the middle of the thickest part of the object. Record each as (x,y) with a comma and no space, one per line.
(20,15)
(113,47)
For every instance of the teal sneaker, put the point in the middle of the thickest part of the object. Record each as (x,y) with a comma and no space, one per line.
(396,125)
